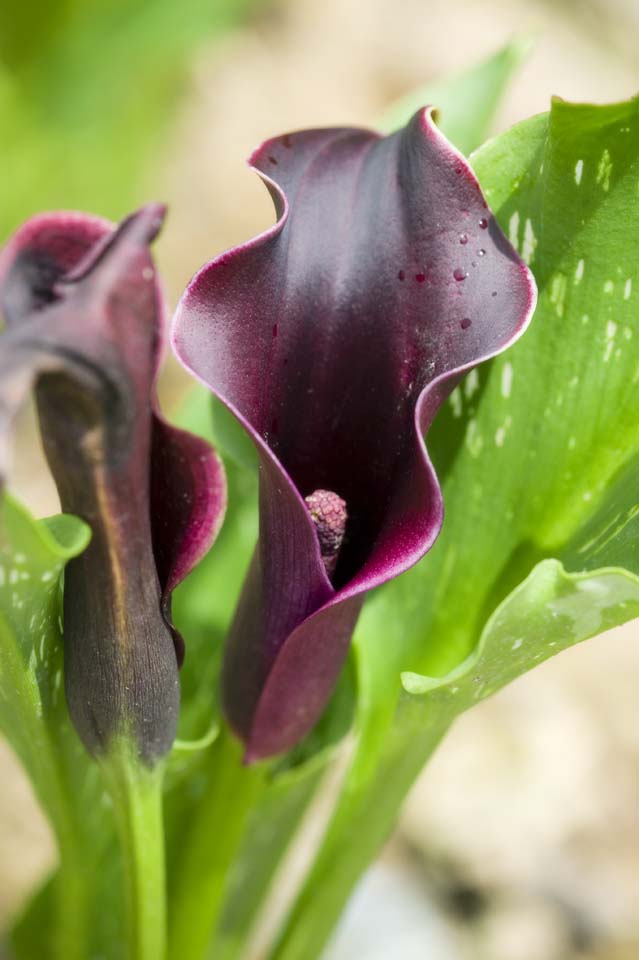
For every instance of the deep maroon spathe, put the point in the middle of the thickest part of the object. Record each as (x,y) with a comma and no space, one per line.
(334,337)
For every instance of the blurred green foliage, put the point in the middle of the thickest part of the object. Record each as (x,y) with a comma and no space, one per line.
(87,92)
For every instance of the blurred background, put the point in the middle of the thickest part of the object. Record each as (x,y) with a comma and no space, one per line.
(521,840)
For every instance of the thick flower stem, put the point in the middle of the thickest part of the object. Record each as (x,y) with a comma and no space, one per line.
(71,934)
(210,846)
(136,792)
(362,821)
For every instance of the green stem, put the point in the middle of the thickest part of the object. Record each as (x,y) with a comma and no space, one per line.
(274,824)
(209,848)
(137,800)
(71,887)
(362,820)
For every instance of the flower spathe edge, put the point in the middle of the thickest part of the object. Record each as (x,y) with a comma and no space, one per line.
(401,561)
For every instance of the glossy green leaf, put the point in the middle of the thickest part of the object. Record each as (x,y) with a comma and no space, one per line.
(78,913)
(467,102)
(538,452)
(550,611)
(32,558)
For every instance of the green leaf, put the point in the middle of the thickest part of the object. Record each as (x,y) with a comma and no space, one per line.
(32,705)
(549,612)
(32,558)
(467,102)
(538,453)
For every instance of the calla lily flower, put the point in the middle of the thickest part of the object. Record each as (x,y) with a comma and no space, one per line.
(84,327)
(334,337)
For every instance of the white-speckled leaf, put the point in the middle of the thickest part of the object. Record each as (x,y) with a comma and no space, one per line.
(539,453)
(32,557)
(550,611)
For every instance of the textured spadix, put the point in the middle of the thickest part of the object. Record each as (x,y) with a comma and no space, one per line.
(84,327)
(334,337)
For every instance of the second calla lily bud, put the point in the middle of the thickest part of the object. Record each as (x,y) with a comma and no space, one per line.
(84,327)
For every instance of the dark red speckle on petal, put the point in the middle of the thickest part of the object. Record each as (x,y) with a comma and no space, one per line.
(465,323)
(401,275)
(420,277)
(272,160)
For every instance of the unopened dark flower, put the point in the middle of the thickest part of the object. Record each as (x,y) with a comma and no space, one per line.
(334,337)
(84,327)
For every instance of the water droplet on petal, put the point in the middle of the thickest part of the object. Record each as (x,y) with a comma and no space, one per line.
(463,238)
(481,253)
(483,223)
(459,274)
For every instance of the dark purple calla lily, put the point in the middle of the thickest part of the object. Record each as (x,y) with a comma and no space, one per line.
(334,337)
(84,327)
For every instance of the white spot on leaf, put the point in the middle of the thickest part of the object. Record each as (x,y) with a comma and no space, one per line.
(529,244)
(604,169)
(474,440)
(456,402)
(558,292)
(506,379)
(471,385)
(513,229)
